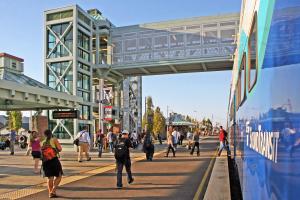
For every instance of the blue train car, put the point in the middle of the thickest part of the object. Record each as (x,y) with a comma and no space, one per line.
(264,105)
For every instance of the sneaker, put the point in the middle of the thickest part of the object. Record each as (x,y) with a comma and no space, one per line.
(79,160)
(131,181)
(119,186)
(89,159)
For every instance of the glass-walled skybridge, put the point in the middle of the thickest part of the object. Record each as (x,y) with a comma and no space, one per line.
(176,46)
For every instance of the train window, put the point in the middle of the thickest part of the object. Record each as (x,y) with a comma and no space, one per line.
(252,54)
(242,82)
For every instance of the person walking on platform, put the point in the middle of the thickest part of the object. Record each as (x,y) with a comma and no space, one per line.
(12,140)
(222,140)
(51,166)
(35,145)
(110,141)
(148,146)
(99,141)
(190,139)
(84,144)
(196,143)
(176,137)
(122,156)
(170,144)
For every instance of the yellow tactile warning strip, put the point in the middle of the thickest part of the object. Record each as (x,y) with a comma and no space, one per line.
(200,188)
(66,180)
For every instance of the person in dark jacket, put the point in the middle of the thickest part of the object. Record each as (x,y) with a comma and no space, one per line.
(122,155)
(196,143)
(148,146)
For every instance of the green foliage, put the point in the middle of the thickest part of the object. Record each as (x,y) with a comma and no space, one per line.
(148,115)
(159,122)
(14,120)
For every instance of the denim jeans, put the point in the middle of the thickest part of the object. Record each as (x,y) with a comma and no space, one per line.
(111,147)
(120,165)
(196,144)
(100,147)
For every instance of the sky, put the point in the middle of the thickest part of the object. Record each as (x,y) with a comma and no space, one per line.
(198,94)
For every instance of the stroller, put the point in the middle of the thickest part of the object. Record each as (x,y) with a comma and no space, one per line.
(23,142)
(5,144)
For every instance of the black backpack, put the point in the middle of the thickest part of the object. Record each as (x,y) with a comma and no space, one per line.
(121,150)
(148,141)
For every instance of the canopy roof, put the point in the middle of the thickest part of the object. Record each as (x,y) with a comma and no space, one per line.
(20,92)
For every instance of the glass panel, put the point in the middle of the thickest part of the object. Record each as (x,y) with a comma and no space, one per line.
(177,53)
(83,41)
(130,45)
(227,36)
(161,42)
(117,47)
(252,55)
(176,40)
(242,79)
(227,23)
(210,37)
(84,18)
(145,43)
(193,39)
(161,55)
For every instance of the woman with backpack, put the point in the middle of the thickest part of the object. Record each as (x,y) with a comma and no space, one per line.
(51,166)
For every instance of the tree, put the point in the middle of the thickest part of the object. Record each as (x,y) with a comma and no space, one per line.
(148,115)
(159,122)
(14,119)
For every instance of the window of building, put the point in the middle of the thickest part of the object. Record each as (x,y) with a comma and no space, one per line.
(193,39)
(176,40)
(252,55)
(85,95)
(14,65)
(210,37)
(83,81)
(83,41)
(83,66)
(161,42)
(60,50)
(227,36)
(60,15)
(59,69)
(84,112)
(84,18)
(145,43)
(84,55)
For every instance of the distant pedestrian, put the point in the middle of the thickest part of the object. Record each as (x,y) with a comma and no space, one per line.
(84,144)
(134,138)
(181,137)
(35,145)
(170,144)
(110,140)
(222,140)
(190,139)
(148,146)
(176,137)
(51,166)
(122,155)
(12,140)
(29,149)
(159,138)
(196,143)
(100,141)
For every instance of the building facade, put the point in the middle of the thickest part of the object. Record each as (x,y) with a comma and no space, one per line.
(77,59)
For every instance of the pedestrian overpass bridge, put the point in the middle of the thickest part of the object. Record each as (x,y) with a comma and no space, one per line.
(196,44)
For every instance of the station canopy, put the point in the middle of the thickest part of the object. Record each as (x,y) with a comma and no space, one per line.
(20,92)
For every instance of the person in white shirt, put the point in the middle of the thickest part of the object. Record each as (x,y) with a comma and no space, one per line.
(189,137)
(134,138)
(84,144)
(176,136)
(110,141)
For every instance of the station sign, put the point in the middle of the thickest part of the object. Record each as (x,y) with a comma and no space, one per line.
(108,113)
(67,114)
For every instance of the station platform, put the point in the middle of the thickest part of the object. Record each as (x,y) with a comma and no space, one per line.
(183,177)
